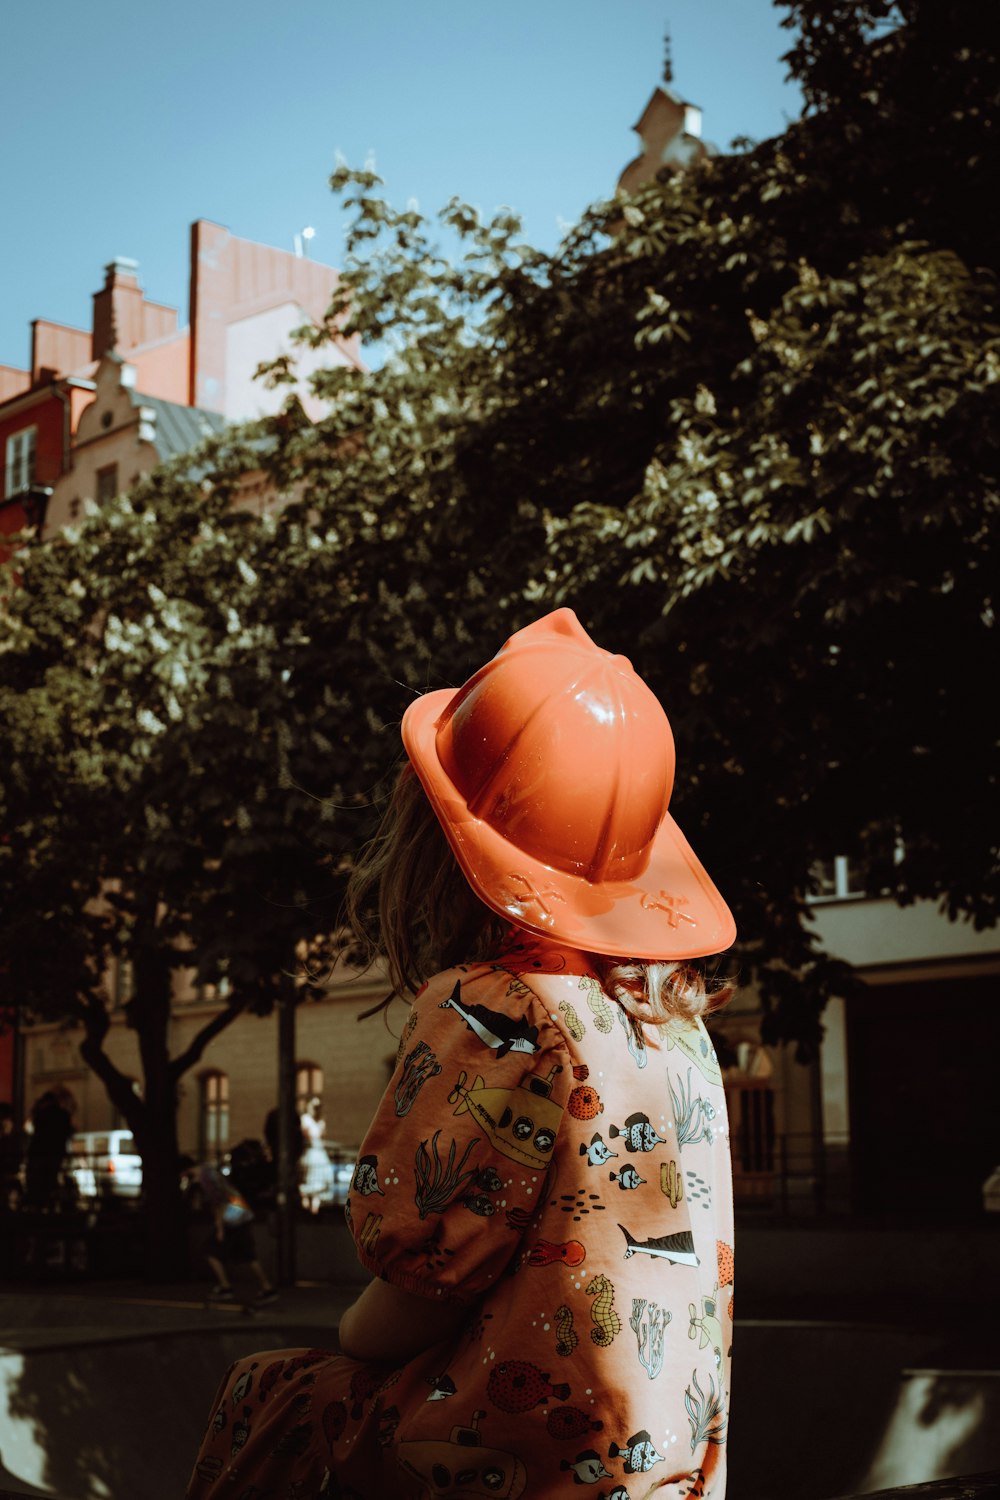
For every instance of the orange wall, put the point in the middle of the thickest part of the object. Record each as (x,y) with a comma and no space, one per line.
(54,346)
(163,370)
(13,382)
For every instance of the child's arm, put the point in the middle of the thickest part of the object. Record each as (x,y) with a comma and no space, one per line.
(388,1324)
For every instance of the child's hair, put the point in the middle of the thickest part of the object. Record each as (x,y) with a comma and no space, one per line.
(408,900)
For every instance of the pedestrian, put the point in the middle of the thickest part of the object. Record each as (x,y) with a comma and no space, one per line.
(51,1129)
(11,1151)
(230,1243)
(544,1197)
(317,1169)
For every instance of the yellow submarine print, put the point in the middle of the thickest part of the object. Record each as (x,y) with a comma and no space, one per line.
(462,1469)
(521,1123)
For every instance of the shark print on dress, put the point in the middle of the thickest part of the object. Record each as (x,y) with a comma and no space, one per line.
(493,1028)
(678,1248)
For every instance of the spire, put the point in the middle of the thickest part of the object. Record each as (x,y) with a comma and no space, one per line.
(668,61)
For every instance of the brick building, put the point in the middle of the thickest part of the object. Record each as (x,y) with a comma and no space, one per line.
(245,301)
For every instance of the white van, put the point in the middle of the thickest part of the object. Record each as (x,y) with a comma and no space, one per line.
(105,1164)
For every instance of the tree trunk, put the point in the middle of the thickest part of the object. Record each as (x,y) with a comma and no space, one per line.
(165,1230)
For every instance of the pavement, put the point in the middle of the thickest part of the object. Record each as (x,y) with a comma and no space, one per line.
(105,1386)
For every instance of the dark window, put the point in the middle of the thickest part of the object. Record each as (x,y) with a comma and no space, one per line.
(107,483)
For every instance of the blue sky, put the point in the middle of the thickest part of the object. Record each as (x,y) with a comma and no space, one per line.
(124,122)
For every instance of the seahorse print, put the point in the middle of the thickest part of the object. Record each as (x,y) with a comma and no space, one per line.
(599,1006)
(567,1337)
(607,1323)
(574,1025)
(648,1322)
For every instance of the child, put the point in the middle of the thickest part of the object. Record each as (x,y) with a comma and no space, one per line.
(544,1197)
(230,1241)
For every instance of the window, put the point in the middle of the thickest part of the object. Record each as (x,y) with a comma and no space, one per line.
(308,1083)
(124,985)
(107,483)
(21,447)
(213,1119)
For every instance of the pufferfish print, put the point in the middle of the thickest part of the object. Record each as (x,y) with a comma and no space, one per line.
(570,1422)
(516,1386)
(584,1102)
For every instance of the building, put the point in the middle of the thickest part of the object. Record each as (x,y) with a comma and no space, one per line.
(669,131)
(245,301)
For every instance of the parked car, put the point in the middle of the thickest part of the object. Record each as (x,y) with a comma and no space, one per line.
(105,1164)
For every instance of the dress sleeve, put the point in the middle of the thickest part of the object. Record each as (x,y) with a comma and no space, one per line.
(454,1166)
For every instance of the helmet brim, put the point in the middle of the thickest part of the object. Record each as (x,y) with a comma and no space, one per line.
(672,911)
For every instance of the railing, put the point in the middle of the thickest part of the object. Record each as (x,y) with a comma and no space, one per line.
(788,1175)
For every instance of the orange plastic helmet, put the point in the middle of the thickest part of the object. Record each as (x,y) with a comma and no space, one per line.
(550,772)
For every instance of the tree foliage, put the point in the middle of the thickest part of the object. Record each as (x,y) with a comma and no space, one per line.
(743,422)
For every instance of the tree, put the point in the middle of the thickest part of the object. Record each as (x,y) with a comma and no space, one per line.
(743,422)
(149,805)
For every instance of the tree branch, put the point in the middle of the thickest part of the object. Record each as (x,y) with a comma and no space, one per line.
(208,1032)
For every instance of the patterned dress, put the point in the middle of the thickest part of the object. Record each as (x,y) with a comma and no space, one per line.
(566,1177)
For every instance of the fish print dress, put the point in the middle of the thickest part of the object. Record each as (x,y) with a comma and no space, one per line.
(566,1177)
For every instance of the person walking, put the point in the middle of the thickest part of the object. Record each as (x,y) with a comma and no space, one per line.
(51,1129)
(544,1197)
(317,1169)
(230,1242)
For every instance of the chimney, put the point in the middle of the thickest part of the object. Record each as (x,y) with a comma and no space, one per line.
(118,308)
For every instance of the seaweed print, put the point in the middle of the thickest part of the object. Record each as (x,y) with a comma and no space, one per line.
(648,1322)
(438,1183)
(567,1337)
(636,1042)
(407,1032)
(420,1065)
(599,1006)
(607,1323)
(706,1412)
(691,1116)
